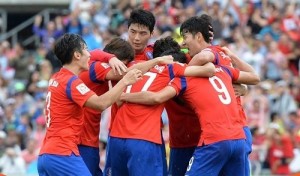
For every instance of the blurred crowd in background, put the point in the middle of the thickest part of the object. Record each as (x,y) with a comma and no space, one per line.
(264,33)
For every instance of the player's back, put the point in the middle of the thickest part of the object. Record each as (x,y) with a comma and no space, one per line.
(94,78)
(64,117)
(143,121)
(184,127)
(214,101)
(220,57)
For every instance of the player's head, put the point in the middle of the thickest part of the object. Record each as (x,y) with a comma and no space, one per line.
(177,55)
(168,46)
(67,46)
(196,33)
(140,28)
(121,49)
(163,45)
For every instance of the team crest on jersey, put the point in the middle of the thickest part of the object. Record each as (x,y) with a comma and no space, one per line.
(105,65)
(149,55)
(82,88)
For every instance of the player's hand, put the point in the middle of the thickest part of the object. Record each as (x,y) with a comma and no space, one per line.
(165,59)
(117,66)
(240,89)
(227,51)
(132,76)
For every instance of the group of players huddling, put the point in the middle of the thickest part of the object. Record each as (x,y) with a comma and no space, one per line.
(207,124)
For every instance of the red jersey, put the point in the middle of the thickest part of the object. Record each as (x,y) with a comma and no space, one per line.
(114,107)
(146,54)
(220,57)
(64,113)
(94,78)
(137,121)
(184,127)
(214,102)
(99,55)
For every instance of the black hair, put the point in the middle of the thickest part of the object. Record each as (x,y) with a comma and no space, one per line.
(120,48)
(163,45)
(142,17)
(66,45)
(197,24)
(168,46)
(177,55)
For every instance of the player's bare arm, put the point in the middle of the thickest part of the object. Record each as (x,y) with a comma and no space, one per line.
(104,101)
(148,97)
(146,66)
(247,74)
(207,70)
(202,58)
(143,67)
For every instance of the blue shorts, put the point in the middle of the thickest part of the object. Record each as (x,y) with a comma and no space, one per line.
(179,160)
(72,165)
(91,158)
(224,158)
(164,156)
(107,167)
(135,157)
(248,150)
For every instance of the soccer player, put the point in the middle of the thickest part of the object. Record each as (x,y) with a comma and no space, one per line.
(140,29)
(66,96)
(141,24)
(135,136)
(96,78)
(184,127)
(202,52)
(221,146)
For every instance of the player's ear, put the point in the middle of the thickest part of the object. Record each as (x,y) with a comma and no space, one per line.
(199,36)
(77,54)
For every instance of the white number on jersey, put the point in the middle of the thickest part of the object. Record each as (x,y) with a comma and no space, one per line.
(220,87)
(148,83)
(47,110)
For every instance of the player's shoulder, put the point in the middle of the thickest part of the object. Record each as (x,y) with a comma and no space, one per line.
(149,51)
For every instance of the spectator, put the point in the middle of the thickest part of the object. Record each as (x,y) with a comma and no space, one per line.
(275,62)
(30,154)
(2,143)
(284,102)
(12,163)
(52,31)
(21,63)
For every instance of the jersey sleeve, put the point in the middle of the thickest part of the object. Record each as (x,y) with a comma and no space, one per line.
(80,92)
(179,84)
(177,69)
(233,72)
(216,58)
(99,55)
(98,71)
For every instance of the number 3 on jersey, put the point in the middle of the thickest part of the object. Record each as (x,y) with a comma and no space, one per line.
(148,83)
(220,87)
(47,110)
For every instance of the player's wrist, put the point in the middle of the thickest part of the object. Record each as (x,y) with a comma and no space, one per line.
(125,82)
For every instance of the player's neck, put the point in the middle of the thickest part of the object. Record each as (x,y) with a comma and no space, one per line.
(205,45)
(139,51)
(72,69)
